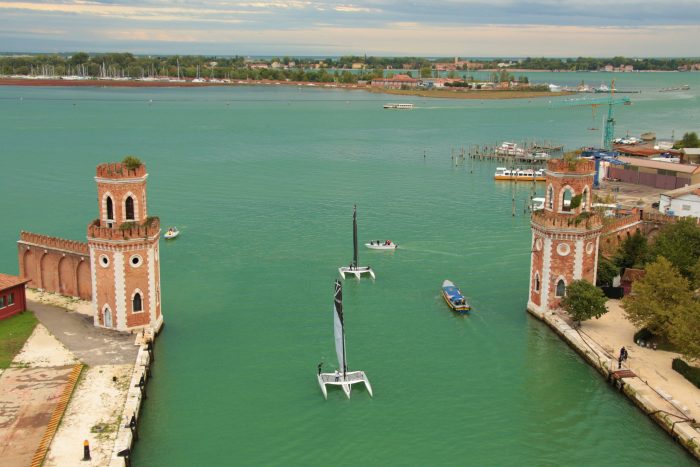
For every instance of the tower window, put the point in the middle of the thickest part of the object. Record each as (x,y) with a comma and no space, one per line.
(137,304)
(537,282)
(110,209)
(561,288)
(550,197)
(566,196)
(129,208)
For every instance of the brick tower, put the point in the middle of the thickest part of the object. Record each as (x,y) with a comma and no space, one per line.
(123,244)
(565,234)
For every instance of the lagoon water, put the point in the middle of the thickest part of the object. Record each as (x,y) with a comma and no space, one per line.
(261,182)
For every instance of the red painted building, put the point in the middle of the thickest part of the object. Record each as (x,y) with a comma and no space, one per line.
(12,296)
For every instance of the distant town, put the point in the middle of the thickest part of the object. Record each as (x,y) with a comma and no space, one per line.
(341,70)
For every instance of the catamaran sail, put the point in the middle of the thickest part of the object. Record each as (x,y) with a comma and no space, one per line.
(354,269)
(343,378)
(338,326)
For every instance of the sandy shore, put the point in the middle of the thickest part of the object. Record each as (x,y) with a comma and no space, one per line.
(435,93)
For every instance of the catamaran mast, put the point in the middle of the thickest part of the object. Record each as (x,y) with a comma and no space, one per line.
(355,261)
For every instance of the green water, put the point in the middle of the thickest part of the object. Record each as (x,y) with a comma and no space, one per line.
(261,182)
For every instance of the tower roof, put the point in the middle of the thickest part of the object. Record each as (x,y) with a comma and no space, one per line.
(118,170)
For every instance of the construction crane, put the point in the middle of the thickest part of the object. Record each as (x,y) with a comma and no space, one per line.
(607,153)
(609,133)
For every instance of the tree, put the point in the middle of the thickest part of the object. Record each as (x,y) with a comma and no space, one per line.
(680,244)
(685,332)
(607,271)
(132,162)
(584,301)
(657,297)
(633,252)
(689,140)
(426,72)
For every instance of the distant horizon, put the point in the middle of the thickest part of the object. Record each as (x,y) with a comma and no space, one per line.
(327,56)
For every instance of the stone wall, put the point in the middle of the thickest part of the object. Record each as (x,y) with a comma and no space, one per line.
(55,264)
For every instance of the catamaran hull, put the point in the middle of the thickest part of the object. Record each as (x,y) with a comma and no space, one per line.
(345,382)
(358,272)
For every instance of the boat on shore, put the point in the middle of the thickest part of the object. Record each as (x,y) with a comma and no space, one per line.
(454,297)
(379,245)
(404,106)
(519,175)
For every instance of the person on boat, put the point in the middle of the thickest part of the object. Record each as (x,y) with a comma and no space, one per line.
(320,365)
(337,375)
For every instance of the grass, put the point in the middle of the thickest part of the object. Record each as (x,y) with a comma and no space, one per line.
(14,331)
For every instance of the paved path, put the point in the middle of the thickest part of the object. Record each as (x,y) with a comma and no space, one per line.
(28,397)
(91,345)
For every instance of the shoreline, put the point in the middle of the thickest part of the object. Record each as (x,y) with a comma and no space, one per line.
(668,413)
(489,94)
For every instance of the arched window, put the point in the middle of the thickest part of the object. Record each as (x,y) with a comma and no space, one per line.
(137,304)
(550,197)
(561,288)
(537,282)
(110,209)
(566,196)
(129,208)
(584,199)
(107,317)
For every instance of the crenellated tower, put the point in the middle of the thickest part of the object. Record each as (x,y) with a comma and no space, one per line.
(565,234)
(123,244)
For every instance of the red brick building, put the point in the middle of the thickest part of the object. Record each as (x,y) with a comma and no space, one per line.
(565,234)
(118,268)
(12,297)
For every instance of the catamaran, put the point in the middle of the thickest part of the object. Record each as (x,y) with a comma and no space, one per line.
(358,271)
(342,377)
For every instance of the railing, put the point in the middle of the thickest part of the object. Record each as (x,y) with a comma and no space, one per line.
(547,220)
(148,229)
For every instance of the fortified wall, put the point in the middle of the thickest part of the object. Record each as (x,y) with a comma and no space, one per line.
(55,264)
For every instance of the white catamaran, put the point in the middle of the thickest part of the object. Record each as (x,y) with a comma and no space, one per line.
(341,377)
(358,271)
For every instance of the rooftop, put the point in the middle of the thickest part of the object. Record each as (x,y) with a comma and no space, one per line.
(683,191)
(7,281)
(685,168)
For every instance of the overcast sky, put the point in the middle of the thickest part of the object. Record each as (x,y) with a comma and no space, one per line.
(467,28)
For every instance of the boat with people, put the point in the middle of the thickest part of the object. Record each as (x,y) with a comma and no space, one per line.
(379,245)
(519,175)
(400,106)
(454,297)
(171,233)
(354,268)
(341,377)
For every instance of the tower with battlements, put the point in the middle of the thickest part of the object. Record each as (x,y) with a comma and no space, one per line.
(123,246)
(565,234)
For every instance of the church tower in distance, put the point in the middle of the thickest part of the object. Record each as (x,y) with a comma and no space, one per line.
(565,234)
(123,245)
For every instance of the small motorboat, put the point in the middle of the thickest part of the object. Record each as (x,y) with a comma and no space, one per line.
(454,297)
(171,233)
(379,245)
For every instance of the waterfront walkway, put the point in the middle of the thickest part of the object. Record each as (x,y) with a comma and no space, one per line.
(662,393)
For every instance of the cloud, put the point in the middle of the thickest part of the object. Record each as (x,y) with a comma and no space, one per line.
(439,27)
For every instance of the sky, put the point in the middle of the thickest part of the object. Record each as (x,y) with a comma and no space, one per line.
(465,28)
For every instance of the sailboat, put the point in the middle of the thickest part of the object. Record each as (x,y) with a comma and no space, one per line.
(358,271)
(341,377)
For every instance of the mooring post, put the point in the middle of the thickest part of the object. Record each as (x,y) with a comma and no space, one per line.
(86,450)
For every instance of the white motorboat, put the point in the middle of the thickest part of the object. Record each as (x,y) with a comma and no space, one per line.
(342,377)
(171,233)
(379,245)
(402,106)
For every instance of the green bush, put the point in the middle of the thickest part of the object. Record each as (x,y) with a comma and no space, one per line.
(690,373)
(132,162)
